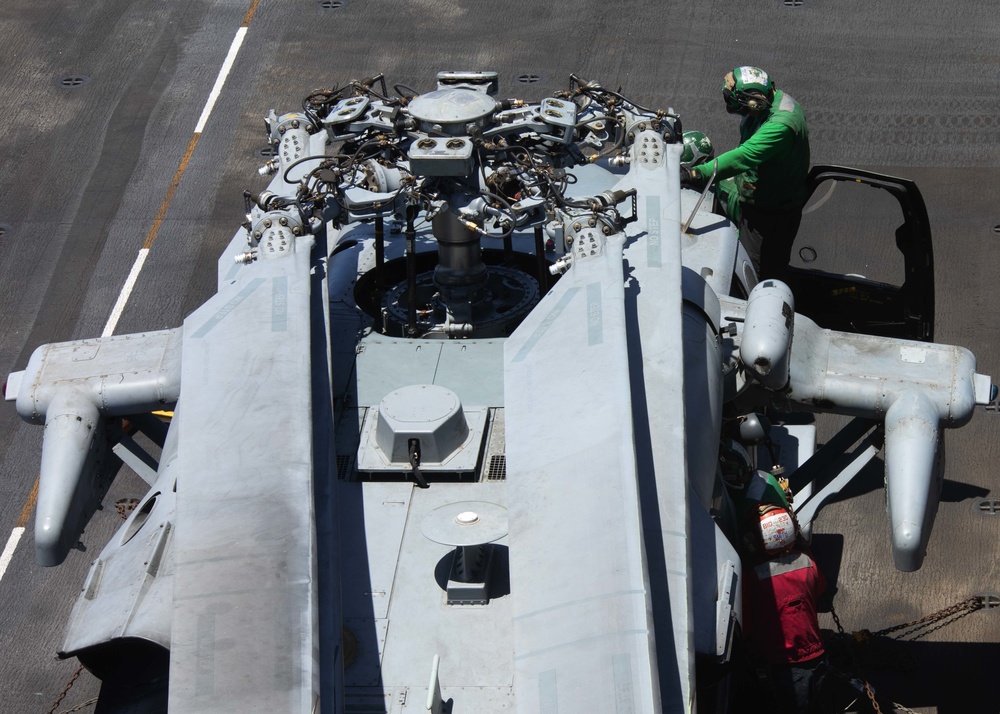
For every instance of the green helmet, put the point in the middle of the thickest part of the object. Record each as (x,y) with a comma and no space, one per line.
(747,88)
(697,149)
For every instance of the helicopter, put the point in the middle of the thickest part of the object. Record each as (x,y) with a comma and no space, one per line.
(459,426)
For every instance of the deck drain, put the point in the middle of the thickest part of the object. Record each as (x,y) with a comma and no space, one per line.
(528,78)
(988,506)
(73,81)
(807,254)
(996,229)
(268,152)
(332,4)
(792,3)
(4,229)
(497,470)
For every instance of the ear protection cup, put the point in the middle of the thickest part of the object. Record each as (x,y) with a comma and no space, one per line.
(747,89)
(754,101)
(737,101)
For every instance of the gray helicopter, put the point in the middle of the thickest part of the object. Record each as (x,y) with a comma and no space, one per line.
(449,436)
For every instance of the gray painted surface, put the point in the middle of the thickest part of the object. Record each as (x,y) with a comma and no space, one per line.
(245,552)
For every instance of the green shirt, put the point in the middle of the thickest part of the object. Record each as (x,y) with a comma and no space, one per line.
(772,161)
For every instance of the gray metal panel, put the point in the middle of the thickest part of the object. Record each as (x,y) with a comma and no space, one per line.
(243,636)
(579,590)
(394,364)
(474,641)
(387,363)
(369,564)
(396,612)
(655,263)
(462,366)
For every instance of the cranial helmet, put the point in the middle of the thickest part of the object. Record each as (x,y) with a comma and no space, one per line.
(777,529)
(747,88)
(697,149)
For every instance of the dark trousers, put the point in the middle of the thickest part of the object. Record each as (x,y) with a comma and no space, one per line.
(768,237)
(800,688)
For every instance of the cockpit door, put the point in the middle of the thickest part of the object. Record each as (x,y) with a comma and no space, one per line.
(847,273)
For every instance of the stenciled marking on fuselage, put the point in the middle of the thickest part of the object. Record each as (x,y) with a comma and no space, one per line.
(204,673)
(279,304)
(654,233)
(622,668)
(233,271)
(548,696)
(545,324)
(228,308)
(595,315)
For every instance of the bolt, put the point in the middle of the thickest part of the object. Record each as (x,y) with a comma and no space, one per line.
(267,222)
(607,231)
(281,130)
(283,221)
(295,123)
(592,222)
(296,230)
(577,226)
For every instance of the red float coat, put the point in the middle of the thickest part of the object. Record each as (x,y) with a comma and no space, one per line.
(779,608)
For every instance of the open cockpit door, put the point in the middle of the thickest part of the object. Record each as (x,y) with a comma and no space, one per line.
(873,290)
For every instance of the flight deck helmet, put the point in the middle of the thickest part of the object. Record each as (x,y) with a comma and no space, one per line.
(697,149)
(747,89)
(777,528)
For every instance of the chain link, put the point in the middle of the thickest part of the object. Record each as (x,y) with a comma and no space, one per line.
(65,689)
(125,506)
(80,707)
(942,617)
(914,629)
(857,664)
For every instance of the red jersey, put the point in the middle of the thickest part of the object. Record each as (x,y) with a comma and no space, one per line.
(779,608)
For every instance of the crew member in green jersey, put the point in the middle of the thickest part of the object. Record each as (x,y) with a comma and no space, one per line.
(763,180)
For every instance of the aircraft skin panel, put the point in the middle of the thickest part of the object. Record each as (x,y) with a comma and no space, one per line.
(244,580)
(133,574)
(389,363)
(824,372)
(582,627)
(377,510)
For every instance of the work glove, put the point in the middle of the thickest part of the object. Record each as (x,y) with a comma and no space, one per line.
(691,179)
